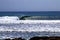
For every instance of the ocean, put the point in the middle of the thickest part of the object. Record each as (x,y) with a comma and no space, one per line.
(11,26)
(42,13)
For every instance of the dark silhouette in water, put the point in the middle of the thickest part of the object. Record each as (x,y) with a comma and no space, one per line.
(18,39)
(45,38)
(8,39)
(38,38)
(15,39)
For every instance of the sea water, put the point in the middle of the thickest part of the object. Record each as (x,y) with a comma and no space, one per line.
(33,13)
(12,28)
(28,28)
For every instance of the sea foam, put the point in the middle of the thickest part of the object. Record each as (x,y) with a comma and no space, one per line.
(14,24)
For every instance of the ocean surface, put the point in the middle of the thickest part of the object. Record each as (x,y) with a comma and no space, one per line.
(42,13)
(12,28)
(28,30)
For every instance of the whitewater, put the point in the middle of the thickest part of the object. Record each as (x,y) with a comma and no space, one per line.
(14,24)
(12,27)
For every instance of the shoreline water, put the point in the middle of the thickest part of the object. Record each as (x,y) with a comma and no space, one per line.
(29,28)
(27,35)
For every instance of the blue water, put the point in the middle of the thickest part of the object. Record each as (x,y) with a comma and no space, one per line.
(42,13)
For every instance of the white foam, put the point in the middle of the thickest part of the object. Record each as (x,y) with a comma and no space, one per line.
(41,26)
(15,19)
(9,18)
(12,24)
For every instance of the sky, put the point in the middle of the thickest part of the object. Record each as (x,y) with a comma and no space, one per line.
(29,5)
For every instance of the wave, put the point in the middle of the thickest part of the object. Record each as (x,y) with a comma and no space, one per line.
(12,23)
(9,18)
(48,27)
(11,27)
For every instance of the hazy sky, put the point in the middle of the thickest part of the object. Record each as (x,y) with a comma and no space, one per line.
(29,5)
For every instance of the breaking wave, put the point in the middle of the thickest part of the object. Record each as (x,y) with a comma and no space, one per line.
(11,26)
(14,24)
(48,27)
